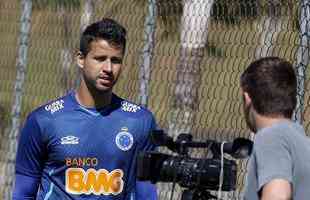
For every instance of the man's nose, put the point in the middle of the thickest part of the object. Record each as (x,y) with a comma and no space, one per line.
(107,65)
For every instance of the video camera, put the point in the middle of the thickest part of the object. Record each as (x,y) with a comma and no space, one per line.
(195,174)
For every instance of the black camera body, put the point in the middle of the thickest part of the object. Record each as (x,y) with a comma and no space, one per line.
(194,174)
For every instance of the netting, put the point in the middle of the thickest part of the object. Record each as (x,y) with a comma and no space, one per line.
(183,60)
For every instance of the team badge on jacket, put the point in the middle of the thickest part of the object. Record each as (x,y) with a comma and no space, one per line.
(124,139)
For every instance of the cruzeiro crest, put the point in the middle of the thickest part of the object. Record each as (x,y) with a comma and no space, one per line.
(124,139)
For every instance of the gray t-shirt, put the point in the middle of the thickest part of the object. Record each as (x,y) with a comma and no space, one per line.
(280,151)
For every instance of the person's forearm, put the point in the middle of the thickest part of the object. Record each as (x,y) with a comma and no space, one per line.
(277,189)
(275,198)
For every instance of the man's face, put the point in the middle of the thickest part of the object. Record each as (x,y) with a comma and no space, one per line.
(248,113)
(102,65)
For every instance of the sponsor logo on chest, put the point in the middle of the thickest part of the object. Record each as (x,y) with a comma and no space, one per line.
(98,182)
(91,181)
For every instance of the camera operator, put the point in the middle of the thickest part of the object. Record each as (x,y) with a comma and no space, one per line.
(279,166)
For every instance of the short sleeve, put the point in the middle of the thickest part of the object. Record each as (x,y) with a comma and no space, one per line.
(272,157)
(31,149)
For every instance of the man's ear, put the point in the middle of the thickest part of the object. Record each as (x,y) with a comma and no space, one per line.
(247,98)
(80,58)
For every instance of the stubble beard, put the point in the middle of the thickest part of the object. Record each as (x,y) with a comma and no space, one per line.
(95,87)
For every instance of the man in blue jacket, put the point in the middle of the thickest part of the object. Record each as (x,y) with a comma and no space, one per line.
(84,145)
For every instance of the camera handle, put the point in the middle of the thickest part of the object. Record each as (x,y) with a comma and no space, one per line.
(195,194)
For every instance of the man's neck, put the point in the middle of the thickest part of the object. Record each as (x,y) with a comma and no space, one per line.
(88,98)
(266,121)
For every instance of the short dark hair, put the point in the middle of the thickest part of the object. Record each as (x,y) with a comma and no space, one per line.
(271,84)
(106,29)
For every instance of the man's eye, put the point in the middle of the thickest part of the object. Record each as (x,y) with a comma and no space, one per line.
(116,60)
(101,59)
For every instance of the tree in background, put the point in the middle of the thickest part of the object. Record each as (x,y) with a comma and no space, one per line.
(193,38)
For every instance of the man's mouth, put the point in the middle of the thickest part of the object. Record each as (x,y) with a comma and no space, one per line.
(106,80)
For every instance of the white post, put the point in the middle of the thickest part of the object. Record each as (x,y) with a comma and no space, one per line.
(21,67)
(147,53)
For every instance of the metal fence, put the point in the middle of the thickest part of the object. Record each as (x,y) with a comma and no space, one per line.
(183,61)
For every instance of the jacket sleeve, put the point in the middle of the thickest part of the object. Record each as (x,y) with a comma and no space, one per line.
(30,159)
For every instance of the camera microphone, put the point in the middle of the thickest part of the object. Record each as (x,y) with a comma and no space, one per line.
(240,148)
